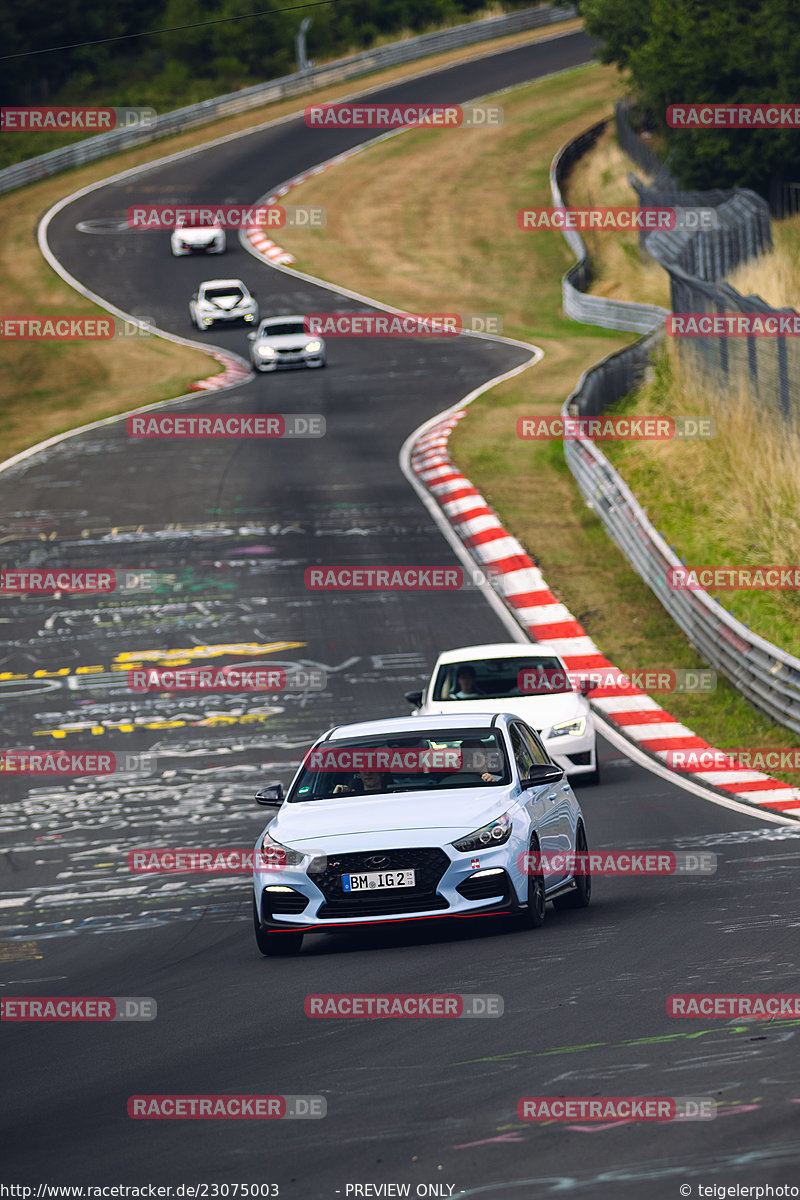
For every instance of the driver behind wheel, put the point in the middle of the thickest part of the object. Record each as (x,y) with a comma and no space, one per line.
(364,781)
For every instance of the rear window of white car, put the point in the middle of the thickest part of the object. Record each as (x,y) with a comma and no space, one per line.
(496,678)
(382,765)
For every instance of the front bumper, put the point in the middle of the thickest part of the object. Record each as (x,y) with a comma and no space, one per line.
(448,884)
(228,318)
(179,249)
(287,362)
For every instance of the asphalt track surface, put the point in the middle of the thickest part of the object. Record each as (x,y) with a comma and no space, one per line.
(230,527)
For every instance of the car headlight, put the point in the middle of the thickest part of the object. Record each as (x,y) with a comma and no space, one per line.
(493,834)
(265,352)
(272,855)
(573,728)
(313,347)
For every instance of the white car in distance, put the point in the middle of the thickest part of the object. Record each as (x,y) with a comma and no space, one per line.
(222,300)
(200,239)
(530,681)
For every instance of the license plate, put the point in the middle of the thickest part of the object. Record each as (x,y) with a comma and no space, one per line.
(377,879)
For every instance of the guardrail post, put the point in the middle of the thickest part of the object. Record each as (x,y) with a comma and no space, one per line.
(302,61)
(783,380)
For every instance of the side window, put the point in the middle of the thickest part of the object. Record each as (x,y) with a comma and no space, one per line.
(522,754)
(536,750)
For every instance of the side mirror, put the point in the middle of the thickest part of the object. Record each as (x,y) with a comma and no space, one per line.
(587,685)
(272,796)
(542,773)
(414,698)
(251,337)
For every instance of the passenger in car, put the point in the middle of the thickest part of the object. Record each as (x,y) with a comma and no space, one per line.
(465,685)
(475,744)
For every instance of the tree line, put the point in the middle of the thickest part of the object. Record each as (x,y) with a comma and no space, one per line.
(708,51)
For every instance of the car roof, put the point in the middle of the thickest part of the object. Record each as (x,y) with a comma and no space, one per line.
(396,725)
(283,317)
(496,650)
(221,283)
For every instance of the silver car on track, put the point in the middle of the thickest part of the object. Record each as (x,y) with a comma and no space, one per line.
(284,342)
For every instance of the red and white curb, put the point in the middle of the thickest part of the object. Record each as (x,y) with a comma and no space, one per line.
(255,234)
(265,246)
(630,711)
(233,373)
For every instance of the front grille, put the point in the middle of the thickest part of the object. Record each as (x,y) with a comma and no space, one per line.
(485,887)
(429,863)
(381,906)
(282,902)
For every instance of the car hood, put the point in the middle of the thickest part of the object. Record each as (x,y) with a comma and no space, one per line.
(540,712)
(197,237)
(400,819)
(285,341)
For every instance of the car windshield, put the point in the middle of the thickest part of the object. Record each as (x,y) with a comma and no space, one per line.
(278,328)
(224,293)
(439,761)
(497,678)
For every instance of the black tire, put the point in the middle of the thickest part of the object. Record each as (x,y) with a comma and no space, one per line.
(275,945)
(534,914)
(580,896)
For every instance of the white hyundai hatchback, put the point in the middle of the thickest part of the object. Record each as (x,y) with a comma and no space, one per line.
(413,818)
(531,681)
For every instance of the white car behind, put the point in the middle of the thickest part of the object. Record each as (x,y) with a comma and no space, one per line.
(530,681)
(222,301)
(203,239)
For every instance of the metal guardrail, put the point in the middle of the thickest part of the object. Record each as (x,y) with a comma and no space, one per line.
(769,368)
(766,675)
(577,302)
(395,54)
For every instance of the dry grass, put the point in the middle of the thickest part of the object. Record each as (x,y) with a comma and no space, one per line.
(47,388)
(774,276)
(412,221)
(730,500)
(621,271)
